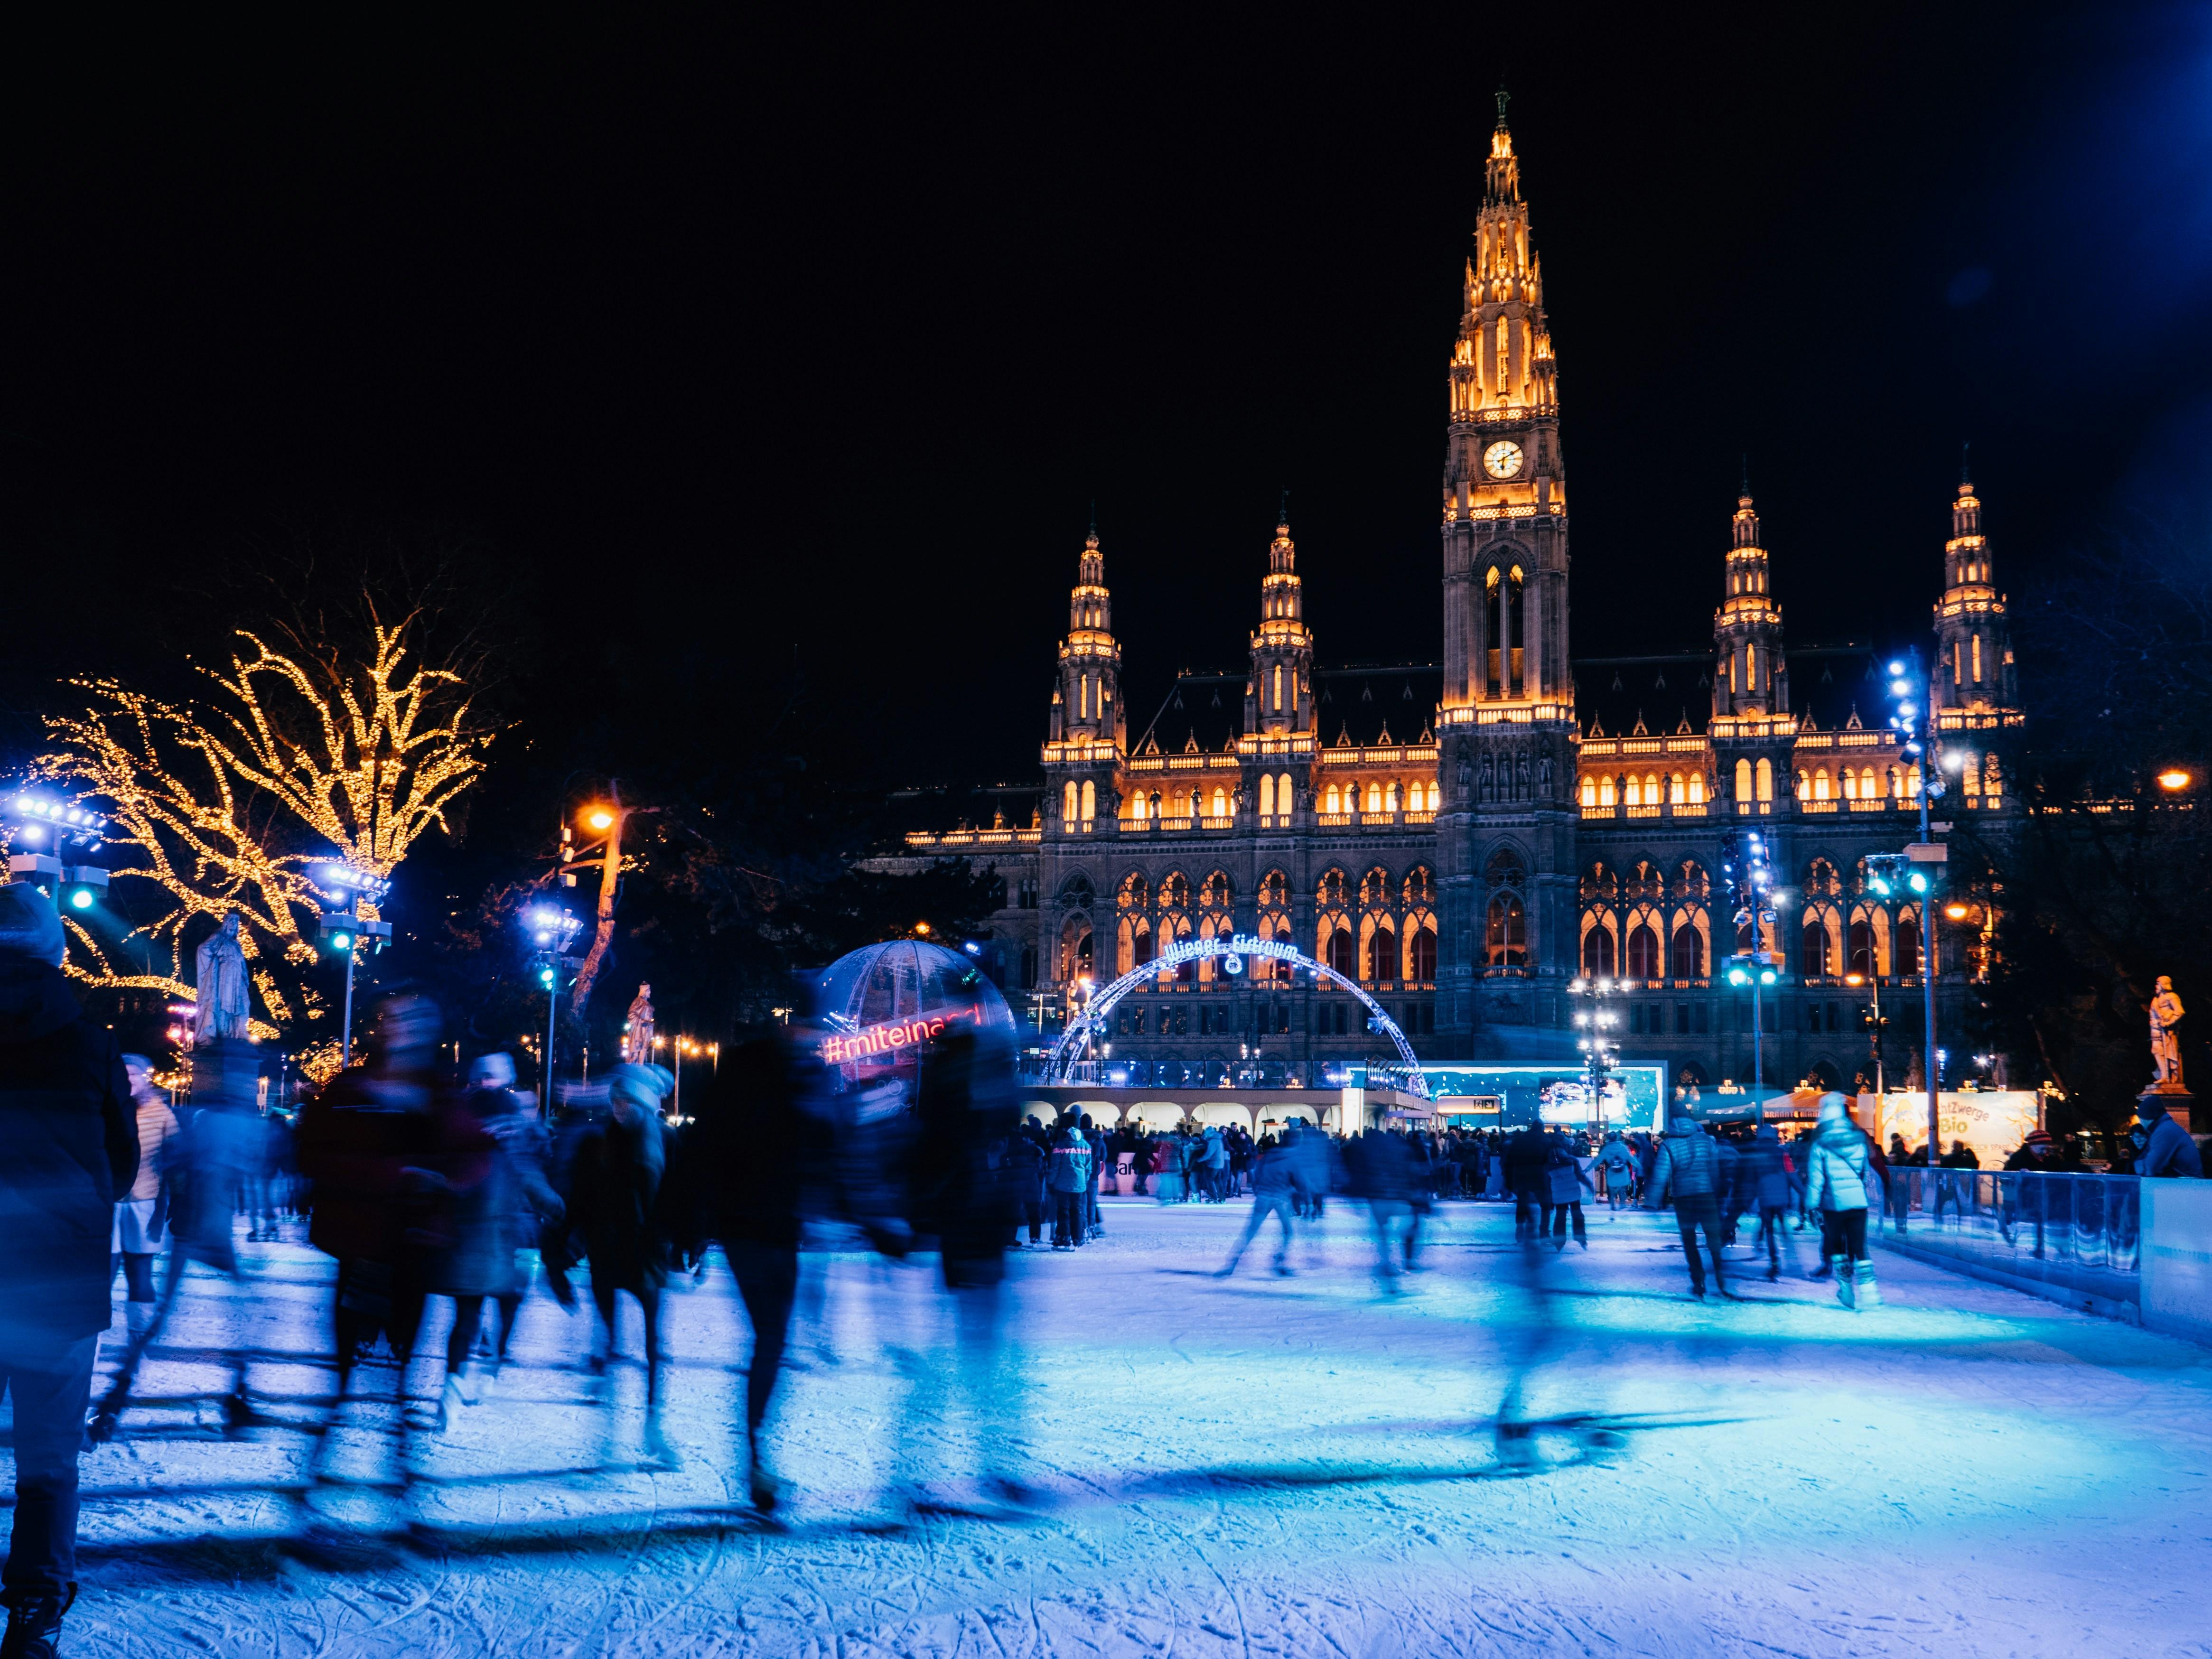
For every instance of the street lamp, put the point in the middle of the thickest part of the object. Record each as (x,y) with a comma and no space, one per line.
(551,930)
(1756,969)
(2173,779)
(1915,724)
(37,820)
(1873,1022)
(1592,1025)
(341,889)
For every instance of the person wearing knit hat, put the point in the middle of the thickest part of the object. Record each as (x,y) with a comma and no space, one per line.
(71,1129)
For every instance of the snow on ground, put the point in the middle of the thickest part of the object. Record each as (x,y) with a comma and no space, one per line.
(1264,1466)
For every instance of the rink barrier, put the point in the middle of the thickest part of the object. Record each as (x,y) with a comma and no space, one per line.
(2077,1239)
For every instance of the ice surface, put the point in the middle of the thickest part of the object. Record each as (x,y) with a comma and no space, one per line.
(1261,1466)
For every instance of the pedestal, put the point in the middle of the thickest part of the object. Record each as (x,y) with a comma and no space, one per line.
(2176,1100)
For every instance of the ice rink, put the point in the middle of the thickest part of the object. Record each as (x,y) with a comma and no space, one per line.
(1261,1465)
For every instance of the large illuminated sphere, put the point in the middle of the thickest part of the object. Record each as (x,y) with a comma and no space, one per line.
(881,1004)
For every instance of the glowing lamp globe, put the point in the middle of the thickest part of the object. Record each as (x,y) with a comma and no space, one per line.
(2173,778)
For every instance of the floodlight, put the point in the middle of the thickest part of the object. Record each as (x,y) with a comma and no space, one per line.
(80,899)
(1897,668)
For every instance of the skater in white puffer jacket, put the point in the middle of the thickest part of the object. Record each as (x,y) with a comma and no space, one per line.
(1838,1184)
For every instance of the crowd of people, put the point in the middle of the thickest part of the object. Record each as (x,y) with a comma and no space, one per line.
(421,1187)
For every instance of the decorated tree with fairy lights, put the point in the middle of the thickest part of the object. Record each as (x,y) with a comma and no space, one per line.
(313,742)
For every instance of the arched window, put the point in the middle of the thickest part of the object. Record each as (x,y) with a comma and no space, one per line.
(1136,942)
(1374,797)
(1812,953)
(1074,949)
(1266,794)
(1697,788)
(1746,937)
(1435,795)
(1340,954)
(1220,802)
(1334,801)
(1421,955)
(1689,953)
(1420,886)
(1765,779)
(1743,780)
(1992,785)
(1908,945)
(1677,790)
(1969,773)
(1861,956)
(1505,937)
(1643,952)
(1090,800)
(1605,792)
(1381,962)
(1286,800)
(1589,790)
(1137,806)
(1278,688)
(1068,803)
(1651,796)
(1597,953)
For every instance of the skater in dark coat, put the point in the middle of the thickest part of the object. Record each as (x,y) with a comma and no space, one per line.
(71,1139)
(965,1197)
(617,1185)
(765,1143)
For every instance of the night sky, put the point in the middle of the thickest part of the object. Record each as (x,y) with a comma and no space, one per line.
(819,348)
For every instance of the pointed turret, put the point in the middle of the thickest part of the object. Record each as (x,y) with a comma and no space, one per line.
(1973,641)
(1279,698)
(1088,697)
(1750,677)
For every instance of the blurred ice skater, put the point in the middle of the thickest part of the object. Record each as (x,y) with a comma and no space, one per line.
(67,1122)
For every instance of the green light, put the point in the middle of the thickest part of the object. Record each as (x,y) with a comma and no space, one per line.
(80,899)
(1918,882)
(545,977)
(1737,976)
(341,941)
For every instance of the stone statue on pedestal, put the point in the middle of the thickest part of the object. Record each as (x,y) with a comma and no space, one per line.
(2165,1013)
(637,1038)
(222,1007)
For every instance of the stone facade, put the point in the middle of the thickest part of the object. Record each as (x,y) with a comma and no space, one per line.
(1468,840)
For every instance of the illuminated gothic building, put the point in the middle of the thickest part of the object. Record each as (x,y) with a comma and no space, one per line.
(1465,840)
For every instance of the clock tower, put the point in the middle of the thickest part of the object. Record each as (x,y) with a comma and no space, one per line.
(1506,836)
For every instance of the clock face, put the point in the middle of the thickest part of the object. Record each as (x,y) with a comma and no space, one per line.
(1502,460)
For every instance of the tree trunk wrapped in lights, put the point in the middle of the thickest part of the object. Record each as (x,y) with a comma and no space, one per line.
(296,760)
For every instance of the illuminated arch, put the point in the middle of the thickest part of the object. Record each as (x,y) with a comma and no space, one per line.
(1098,1018)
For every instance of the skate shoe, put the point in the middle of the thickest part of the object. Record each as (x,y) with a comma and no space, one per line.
(1869,1294)
(451,1404)
(35,1625)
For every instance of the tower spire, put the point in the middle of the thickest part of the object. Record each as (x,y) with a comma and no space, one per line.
(1973,641)
(1086,697)
(1749,675)
(1277,696)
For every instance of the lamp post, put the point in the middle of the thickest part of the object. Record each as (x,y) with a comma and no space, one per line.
(1874,1022)
(341,889)
(1916,724)
(1592,1024)
(552,929)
